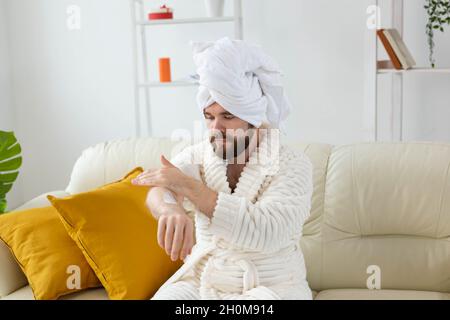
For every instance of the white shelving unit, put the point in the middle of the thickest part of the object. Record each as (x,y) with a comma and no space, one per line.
(376,68)
(416,70)
(140,25)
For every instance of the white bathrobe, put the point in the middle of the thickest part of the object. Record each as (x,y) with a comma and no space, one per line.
(250,248)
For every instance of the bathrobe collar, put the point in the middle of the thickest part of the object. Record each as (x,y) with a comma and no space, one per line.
(262,163)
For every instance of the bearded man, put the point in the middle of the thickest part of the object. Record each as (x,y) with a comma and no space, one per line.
(248,195)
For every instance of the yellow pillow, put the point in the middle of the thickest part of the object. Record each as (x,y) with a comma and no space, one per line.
(50,259)
(117,234)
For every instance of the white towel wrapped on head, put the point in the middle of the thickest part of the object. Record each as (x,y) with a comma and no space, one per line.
(243,79)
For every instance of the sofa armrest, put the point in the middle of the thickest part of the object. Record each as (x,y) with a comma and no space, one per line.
(41,201)
(11,276)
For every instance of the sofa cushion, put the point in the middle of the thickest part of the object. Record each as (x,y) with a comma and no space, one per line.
(25,293)
(382,294)
(311,242)
(386,219)
(50,259)
(117,234)
(11,275)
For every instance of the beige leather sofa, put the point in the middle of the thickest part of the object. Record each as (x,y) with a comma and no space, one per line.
(380,216)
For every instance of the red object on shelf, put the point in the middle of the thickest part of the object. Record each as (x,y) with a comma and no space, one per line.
(162,12)
(157,15)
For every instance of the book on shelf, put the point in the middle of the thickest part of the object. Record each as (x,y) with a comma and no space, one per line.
(396,49)
(389,50)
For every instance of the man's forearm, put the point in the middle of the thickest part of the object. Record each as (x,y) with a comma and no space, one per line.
(203,197)
(161,200)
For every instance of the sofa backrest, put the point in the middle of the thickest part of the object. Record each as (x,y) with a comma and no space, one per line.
(109,161)
(385,215)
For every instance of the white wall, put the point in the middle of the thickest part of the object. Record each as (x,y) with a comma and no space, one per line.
(6,118)
(426,97)
(14,196)
(6,112)
(316,43)
(72,89)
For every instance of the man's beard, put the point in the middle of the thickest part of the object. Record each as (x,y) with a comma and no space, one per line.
(228,151)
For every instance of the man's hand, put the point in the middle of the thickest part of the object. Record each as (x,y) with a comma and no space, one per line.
(176,233)
(168,176)
(173,179)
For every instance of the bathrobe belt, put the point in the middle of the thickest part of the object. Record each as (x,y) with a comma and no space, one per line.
(250,275)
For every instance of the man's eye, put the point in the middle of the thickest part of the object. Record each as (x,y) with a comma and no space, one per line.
(229,117)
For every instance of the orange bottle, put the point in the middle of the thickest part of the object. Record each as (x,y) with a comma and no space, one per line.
(164,70)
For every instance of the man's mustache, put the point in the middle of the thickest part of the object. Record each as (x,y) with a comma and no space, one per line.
(229,136)
(219,137)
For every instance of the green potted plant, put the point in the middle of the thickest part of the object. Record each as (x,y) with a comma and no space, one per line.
(438,16)
(10,162)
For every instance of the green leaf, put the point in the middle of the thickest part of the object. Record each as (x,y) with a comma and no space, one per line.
(10,152)
(5,187)
(10,162)
(2,206)
(7,139)
(8,177)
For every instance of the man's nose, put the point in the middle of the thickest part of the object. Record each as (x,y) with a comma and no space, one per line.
(217,125)
(217,130)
